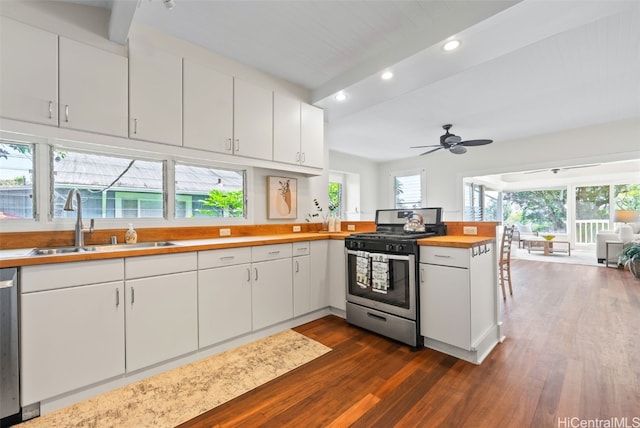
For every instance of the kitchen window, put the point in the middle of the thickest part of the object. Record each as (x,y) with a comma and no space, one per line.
(110,187)
(17,187)
(408,189)
(207,192)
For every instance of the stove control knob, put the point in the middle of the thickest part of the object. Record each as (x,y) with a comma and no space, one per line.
(400,247)
(388,247)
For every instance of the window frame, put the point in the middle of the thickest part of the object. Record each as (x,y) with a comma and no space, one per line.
(406,173)
(35,185)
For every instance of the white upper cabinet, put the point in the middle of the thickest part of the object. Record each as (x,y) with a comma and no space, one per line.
(312,136)
(208,108)
(29,72)
(298,132)
(252,120)
(286,129)
(155,94)
(93,89)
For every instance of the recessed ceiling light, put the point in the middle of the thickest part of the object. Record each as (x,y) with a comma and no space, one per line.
(451,45)
(341,96)
(386,75)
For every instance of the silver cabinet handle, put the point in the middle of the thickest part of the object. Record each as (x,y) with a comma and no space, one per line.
(441,256)
(236,146)
(274,253)
(66,112)
(222,259)
(303,158)
(229,144)
(135,126)
(6,284)
(297,156)
(422,275)
(133,295)
(50,109)
(117,297)
(297,266)
(248,274)
(256,272)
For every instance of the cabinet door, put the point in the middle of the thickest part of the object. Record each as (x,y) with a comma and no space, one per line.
(272,292)
(71,338)
(93,89)
(224,303)
(301,286)
(155,95)
(208,109)
(252,120)
(445,305)
(286,129)
(29,70)
(337,275)
(312,136)
(319,276)
(162,320)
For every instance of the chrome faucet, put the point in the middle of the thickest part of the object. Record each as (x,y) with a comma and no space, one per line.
(80,229)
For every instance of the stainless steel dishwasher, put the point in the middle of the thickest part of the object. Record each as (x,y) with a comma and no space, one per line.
(9,348)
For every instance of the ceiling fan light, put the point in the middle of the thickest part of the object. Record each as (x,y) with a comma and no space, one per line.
(451,45)
(458,150)
(387,75)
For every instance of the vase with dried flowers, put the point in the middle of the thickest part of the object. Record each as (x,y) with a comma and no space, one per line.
(321,215)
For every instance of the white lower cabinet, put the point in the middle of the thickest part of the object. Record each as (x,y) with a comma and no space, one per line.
(272,287)
(337,275)
(319,274)
(458,300)
(224,295)
(72,335)
(301,279)
(162,320)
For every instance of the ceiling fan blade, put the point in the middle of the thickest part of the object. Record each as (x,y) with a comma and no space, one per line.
(452,139)
(536,171)
(421,147)
(430,151)
(581,166)
(470,143)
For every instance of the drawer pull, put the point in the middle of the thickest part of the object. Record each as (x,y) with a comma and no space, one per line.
(376,317)
(274,253)
(441,256)
(225,258)
(297,267)
(133,296)
(6,284)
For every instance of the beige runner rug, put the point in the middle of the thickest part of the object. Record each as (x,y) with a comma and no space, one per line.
(179,395)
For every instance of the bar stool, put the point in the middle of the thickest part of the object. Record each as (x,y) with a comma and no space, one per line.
(504,264)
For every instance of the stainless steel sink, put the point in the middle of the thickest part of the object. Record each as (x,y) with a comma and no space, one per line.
(123,247)
(98,248)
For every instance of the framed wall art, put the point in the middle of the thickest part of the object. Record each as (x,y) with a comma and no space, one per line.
(282,198)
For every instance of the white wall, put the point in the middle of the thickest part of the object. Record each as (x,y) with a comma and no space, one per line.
(369,184)
(595,144)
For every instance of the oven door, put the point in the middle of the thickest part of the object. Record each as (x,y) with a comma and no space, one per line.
(382,281)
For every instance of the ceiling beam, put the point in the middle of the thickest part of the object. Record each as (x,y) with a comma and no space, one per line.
(122,12)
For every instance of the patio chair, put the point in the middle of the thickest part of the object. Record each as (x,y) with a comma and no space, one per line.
(504,263)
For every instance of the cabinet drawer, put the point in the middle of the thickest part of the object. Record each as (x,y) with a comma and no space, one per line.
(227,257)
(60,275)
(270,252)
(445,256)
(162,264)
(301,248)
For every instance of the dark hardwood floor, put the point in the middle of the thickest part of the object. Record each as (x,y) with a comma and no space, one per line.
(572,351)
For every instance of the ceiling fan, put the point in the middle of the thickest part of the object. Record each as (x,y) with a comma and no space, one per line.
(557,170)
(453,143)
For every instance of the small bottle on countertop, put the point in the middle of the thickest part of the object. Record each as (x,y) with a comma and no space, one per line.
(131,236)
(332,223)
(338,226)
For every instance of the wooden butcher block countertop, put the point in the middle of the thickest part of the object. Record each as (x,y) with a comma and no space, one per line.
(457,241)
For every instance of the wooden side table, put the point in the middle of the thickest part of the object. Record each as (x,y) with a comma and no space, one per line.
(608,244)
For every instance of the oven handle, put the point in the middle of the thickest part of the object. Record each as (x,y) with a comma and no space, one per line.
(390,256)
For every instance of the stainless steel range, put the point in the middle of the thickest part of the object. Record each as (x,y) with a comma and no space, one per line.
(382,267)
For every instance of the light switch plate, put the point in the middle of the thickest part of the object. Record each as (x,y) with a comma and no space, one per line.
(470,230)
(296,228)
(351,227)
(225,232)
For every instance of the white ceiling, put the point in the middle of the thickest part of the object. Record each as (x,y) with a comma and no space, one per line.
(524,68)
